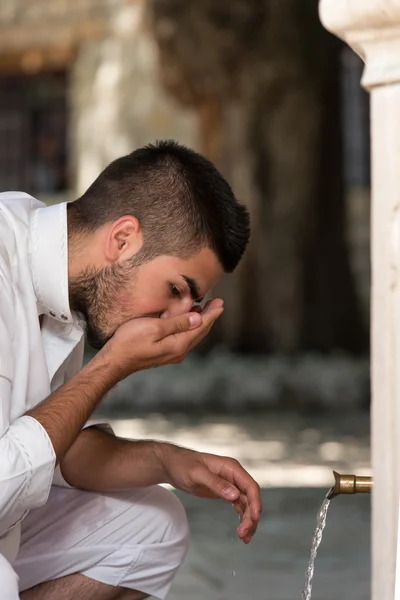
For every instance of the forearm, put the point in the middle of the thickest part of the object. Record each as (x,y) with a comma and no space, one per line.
(141,343)
(101,462)
(64,413)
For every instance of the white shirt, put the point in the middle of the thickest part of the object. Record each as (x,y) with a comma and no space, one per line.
(34,360)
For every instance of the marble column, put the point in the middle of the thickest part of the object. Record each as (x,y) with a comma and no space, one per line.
(372,30)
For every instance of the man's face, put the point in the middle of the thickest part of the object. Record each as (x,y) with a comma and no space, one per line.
(167,286)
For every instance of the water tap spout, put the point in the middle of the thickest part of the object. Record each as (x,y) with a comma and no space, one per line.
(350,484)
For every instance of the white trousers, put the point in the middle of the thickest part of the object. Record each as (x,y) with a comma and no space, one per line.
(135,539)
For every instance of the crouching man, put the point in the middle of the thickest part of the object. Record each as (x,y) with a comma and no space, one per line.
(127,264)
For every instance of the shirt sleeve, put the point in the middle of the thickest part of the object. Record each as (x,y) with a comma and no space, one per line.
(27,457)
(27,462)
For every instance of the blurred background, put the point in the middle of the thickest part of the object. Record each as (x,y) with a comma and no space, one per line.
(282,382)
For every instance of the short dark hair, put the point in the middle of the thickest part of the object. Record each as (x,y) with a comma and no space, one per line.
(180,199)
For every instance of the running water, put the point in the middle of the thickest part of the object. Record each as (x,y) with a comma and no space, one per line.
(317,537)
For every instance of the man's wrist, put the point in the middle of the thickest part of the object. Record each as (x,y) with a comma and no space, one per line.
(114,368)
(162,452)
(149,460)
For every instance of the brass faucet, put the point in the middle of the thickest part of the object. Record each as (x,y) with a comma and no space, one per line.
(350,484)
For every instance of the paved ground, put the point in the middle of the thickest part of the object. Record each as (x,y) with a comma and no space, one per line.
(292,457)
(220,567)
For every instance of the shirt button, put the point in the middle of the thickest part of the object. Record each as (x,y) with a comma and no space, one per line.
(52,313)
(64,317)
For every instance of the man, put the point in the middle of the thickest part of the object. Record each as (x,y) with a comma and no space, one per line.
(128,261)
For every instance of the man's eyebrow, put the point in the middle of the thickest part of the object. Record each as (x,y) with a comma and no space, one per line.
(193,287)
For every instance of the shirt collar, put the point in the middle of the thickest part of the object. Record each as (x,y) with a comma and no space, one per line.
(49,261)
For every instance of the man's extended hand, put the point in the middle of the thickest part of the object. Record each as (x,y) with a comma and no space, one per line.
(210,476)
(145,342)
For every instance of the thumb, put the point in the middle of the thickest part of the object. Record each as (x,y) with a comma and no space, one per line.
(221,487)
(179,324)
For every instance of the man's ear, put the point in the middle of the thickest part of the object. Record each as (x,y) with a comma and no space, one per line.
(124,239)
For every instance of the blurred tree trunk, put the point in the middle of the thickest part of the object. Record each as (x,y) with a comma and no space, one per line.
(264,78)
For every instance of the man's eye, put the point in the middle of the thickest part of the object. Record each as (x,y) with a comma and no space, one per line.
(175,291)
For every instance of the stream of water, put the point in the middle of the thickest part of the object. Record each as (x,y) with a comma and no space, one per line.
(316,540)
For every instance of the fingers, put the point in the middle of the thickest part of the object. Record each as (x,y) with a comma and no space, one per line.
(199,318)
(197,309)
(209,317)
(213,303)
(209,305)
(232,470)
(218,486)
(179,324)
(224,489)
(225,478)
(248,526)
(187,340)
(200,335)
(238,508)
(248,505)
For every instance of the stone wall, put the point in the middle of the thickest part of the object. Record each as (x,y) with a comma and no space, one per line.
(115,99)
(40,34)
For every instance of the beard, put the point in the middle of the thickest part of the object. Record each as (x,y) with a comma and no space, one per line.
(93,294)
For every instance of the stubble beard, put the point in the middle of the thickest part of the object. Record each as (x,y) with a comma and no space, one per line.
(92,295)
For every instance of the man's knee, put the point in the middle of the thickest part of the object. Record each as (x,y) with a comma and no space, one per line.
(169,521)
(153,543)
(8,580)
